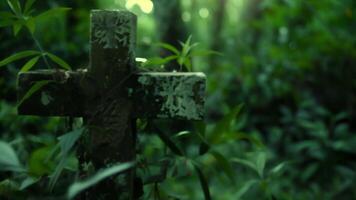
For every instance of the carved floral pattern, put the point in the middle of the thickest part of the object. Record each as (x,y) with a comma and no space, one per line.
(111,29)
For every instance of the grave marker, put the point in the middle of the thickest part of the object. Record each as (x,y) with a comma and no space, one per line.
(110,95)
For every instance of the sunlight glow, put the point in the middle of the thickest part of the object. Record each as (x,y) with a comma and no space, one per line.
(204,13)
(186,16)
(145,5)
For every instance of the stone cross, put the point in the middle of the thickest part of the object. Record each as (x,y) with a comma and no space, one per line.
(110,94)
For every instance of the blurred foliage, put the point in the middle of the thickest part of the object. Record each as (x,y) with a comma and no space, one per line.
(280,110)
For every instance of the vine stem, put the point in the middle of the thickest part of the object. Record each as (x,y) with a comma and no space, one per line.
(41,50)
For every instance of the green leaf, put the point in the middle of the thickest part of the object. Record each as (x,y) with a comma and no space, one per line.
(18,56)
(8,159)
(182,133)
(52,12)
(28,6)
(245,188)
(58,60)
(188,64)
(39,164)
(6,22)
(79,187)
(66,143)
(204,145)
(15,6)
(250,138)
(186,47)
(244,162)
(31,25)
(225,125)
(158,61)
(167,141)
(261,162)
(6,15)
(72,163)
(28,182)
(200,127)
(38,85)
(57,172)
(169,47)
(224,165)
(257,161)
(278,168)
(205,53)
(203,183)
(29,64)
(17,26)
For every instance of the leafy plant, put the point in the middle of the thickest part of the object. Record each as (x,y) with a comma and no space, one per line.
(183,56)
(79,187)
(23,17)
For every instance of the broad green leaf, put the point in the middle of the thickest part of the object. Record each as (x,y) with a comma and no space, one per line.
(38,85)
(39,164)
(72,163)
(15,6)
(52,12)
(28,6)
(169,47)
(29,64)
(18,56)
(66,143)
(59,61)
(203,183)
(28,182)
(224,165)
(79,187)
(8,159)
(261,158)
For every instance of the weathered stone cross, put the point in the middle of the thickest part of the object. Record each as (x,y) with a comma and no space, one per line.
(111,94)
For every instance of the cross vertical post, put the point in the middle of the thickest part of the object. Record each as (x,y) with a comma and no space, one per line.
(112,61)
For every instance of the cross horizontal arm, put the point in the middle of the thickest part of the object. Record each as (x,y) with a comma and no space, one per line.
(61,96)
(170,95)
(155,95)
